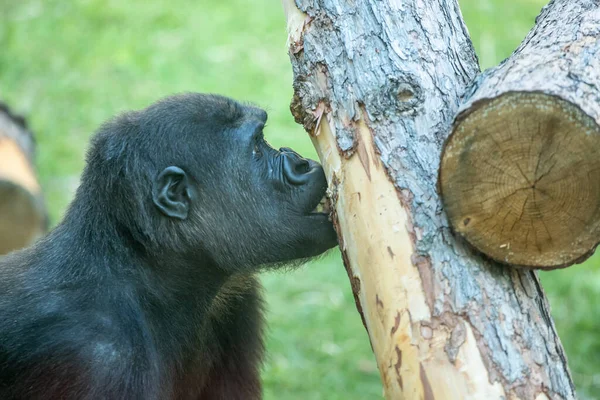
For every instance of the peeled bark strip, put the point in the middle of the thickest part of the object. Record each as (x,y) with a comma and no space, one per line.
(520,175)
(377,84)
(23,215)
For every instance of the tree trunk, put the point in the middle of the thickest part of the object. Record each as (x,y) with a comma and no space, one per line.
(23,215)
(377,84)
(520,175)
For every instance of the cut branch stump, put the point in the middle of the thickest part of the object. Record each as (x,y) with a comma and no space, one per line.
(520,174)
(23,216)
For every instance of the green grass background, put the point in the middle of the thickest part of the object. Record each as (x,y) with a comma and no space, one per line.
(68,65)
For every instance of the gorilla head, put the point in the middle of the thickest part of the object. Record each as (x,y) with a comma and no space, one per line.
(194,175)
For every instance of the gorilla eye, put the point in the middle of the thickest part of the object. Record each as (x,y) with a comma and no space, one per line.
(256,150)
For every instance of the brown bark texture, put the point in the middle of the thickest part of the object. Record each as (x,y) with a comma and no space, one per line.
(520,175)
(377,84)
(23,216)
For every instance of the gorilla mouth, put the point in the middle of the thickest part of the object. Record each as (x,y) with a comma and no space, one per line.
(323,207)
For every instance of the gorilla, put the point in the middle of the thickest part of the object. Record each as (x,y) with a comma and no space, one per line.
(147,289)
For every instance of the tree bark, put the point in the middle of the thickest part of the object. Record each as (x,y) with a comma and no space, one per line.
(377,84)
(520,175)
(23,216)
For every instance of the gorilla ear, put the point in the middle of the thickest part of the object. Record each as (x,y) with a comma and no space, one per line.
(171,192)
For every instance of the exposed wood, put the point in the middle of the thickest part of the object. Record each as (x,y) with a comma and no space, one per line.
(23,215)
(520,175)
(377,84)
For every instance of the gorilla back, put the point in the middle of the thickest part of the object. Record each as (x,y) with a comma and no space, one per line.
(146,289)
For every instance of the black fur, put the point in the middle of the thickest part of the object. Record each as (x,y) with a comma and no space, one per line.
(146,289)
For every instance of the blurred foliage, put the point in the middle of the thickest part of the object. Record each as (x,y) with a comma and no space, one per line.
(70,65)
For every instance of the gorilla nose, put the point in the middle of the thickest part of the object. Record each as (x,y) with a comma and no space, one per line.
(295,167)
